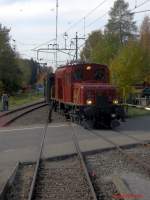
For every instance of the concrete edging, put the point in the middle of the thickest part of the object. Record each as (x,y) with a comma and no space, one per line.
(9,181)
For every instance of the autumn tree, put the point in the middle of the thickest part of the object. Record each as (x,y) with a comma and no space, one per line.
(121,21)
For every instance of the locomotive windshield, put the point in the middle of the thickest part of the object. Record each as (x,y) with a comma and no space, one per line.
(99,74)
(89,73)
(78,75)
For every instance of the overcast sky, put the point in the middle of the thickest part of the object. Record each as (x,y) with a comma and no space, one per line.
(32,22)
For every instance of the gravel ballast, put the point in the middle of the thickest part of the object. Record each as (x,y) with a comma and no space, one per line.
(63,180)
(19,190)
(108,164)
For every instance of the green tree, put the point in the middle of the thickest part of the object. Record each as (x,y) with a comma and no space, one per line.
(106,49)
(25,68)
(121,21)
(10,74)
(100,47)
(93,39)
(35,68)
(129,67)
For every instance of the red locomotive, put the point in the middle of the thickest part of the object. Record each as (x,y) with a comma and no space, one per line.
(82,92)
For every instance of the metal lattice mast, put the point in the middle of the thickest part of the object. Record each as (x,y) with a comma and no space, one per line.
(56,31)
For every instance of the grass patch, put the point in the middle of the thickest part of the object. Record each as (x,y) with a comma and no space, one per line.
(23,99)
(137,112)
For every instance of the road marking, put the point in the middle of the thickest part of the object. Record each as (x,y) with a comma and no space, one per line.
(9,150)
(32,128)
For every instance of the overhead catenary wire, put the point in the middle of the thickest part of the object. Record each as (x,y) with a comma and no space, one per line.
(93,22)
(141,4)
(87,15)
(141,11)
(45,43)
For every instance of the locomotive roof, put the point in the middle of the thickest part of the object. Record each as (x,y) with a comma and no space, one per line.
(81,64)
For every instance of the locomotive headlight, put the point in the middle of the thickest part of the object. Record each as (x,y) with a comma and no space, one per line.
(115,101)
(88,68)
(113,115)
(89,102)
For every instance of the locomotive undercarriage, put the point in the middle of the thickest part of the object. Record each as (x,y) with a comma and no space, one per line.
(91,116)
(109,117)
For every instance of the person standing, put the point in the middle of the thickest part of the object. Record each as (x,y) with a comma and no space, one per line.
(5,101)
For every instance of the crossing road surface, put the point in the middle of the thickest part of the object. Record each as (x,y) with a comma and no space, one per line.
(22,144)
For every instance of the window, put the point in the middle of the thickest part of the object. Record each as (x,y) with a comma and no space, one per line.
(99,74)
(78,75)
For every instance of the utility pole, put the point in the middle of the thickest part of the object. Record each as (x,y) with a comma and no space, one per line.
(56,30)
(76,41)
(84,26)
(76,38)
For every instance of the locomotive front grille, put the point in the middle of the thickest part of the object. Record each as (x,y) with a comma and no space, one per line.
(102,101)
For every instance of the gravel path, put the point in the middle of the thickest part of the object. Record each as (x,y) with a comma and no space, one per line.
(108,164)
(62,180)
(20,188)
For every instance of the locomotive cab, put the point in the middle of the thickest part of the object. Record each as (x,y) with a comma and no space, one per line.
(97,98)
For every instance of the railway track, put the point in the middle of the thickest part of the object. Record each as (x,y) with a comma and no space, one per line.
(68,179)
(9,117)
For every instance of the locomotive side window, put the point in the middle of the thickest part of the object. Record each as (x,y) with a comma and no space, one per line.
(99,74)
(78,75)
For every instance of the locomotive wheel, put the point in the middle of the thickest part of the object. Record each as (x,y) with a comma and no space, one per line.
(87,124)
(115,123)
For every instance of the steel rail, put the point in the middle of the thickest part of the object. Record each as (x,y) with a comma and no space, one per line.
(21,108)
(35,175)
(83,163)
(21,114)
(121,150)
